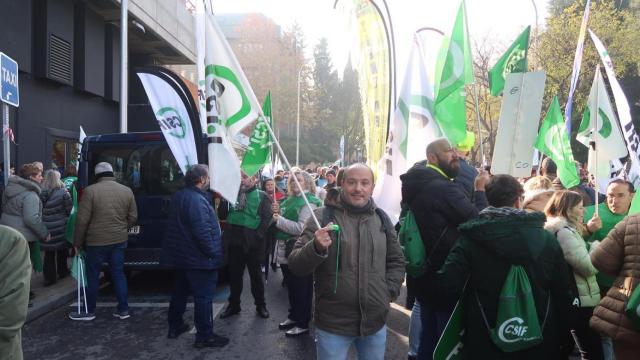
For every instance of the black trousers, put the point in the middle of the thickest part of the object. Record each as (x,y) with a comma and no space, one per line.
(588,340)
(55,264)
(240,257)
(300,289)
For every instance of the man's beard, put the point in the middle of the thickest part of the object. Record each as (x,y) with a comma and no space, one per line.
(450,168)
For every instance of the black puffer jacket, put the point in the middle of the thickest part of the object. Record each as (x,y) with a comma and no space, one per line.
(56,207)
(439,206)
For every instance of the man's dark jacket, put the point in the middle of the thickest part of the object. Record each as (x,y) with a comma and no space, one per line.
(466,177)
(192,236)
(439,206)
(483,255)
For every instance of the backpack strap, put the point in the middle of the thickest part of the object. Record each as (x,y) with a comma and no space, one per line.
(387,226)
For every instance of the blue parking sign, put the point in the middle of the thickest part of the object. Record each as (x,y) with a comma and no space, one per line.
(9,80)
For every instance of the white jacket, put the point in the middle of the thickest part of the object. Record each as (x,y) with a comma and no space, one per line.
(575,253)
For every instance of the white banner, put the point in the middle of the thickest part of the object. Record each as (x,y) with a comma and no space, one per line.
(518,126)
(624,112)
(173,119)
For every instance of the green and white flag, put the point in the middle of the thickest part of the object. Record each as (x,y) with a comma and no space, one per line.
(259,150)
(227,102)
(553,141)
(412,128)
(453,73)
(608,139)
(514,60)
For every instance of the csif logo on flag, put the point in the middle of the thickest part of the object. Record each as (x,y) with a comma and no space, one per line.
(514,61)
(259,134)
(228,88)
(513,330)
(169,120)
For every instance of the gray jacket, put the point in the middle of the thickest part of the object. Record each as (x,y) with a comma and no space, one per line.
(22,208)
(369,275)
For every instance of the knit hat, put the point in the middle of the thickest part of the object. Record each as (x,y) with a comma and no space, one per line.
(103,167)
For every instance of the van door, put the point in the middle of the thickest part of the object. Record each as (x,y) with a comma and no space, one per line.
(152,173)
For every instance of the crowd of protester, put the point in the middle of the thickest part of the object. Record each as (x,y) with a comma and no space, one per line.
(341,260)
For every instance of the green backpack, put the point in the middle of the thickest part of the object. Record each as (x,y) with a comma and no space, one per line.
(632,308)
(517,326)
(412,245)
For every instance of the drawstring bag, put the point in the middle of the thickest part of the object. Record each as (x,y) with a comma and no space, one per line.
(517,326)
(412,245)
(632,308)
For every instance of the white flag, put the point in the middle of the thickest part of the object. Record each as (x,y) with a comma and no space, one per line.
(238,106)
(412,129)
(229,102)
(624,112)
(172,116)
(608,138)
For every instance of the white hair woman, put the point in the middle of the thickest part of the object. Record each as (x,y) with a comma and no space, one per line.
(290,217)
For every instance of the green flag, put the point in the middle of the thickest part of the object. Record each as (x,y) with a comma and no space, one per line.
(257,154)
(553,141)
(71,222)
(514,60)
(453,73)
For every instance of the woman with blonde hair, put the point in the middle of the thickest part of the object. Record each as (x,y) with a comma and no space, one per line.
(290,217)
(537,192)
(56,208)
(565,212)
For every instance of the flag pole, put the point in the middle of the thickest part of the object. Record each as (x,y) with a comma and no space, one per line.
(475,91)
(283,157)
(595,145)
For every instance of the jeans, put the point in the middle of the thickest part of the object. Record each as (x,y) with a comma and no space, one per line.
(202,284)
(300,290)
(607,348)
(336,347)
(415,329)
(433,324)
(114,256)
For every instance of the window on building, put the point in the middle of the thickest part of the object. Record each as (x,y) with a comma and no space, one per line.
(64,154)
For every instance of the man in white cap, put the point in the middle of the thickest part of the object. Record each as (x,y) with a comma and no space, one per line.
(107,209)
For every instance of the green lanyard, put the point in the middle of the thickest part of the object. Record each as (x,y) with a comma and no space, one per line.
(438,170)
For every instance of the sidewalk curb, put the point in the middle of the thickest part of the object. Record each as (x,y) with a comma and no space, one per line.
(61,299)
(46,307)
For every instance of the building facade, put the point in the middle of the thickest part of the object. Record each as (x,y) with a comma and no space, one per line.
(68,53)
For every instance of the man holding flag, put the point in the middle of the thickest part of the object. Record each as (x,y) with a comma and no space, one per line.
(244,242)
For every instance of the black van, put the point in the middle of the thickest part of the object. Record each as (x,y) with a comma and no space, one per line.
(144,163)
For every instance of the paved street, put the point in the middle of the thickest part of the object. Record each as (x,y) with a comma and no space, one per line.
(143,336)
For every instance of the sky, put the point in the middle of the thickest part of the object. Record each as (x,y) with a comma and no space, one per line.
(499,20)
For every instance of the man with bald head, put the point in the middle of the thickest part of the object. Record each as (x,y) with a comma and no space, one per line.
(357,270)
(439,205)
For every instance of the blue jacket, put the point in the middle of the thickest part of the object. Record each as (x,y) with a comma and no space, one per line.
(192,236)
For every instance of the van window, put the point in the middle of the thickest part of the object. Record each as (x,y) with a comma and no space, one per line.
(148,169)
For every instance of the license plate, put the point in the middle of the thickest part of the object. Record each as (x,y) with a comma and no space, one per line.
(134,230)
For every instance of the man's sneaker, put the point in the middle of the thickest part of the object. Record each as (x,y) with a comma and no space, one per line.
(122,314)
(212,342)
(82,316)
